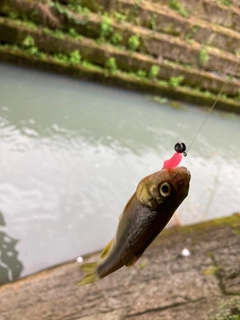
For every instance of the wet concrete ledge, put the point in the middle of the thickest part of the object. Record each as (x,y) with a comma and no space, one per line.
(163,284)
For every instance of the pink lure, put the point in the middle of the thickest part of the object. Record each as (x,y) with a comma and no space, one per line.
(173,161)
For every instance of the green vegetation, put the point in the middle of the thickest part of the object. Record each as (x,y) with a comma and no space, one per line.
(141,73)
(116,38)
(134,42)
(57,6)
(106,28)
(61,57)
(28,41)
(224,96)
(153,72)
(238,95)
(153,21)
(176,81)
(111,65)
(13,15)
(120,17)
(190,35)
(230,311)
(29,44)
(212,270)
(73,33)
(225,2)
(175,5)
(56,33)
(75,57)
(158,99)
(203,56)
(75,5)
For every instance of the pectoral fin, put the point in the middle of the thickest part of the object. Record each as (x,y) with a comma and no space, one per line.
(132,262)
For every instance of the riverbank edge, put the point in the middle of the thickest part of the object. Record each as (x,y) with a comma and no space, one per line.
(94,73)
(226,277)
(101,61)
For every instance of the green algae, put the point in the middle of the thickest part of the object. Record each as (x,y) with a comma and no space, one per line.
(229,310)
(232,221)
(212,270)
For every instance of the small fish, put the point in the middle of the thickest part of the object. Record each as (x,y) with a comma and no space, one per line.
(147,212)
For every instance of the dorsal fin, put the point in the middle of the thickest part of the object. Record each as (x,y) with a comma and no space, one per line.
(126,206)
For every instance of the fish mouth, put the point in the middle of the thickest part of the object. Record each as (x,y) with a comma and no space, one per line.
(180,177)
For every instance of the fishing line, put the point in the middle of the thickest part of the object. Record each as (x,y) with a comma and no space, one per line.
(206,118)
(180,147)
(208,114)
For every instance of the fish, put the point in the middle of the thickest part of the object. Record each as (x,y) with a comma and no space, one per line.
(152,205)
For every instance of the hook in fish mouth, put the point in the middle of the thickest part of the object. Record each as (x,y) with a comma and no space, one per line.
(180,177)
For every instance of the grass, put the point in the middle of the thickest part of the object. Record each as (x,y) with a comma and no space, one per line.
(134,42)
(119,17)
(176,81)
(111,65)
(141,73)
(116,38)
(175,5)
(28,41)
(225,2)
(230,311)
(203,56)
(153,21)
(153,72)
(105,28)
(75,57)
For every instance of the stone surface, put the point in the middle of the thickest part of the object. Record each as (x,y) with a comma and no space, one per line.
(162,285)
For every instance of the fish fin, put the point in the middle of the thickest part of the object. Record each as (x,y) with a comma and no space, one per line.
(126,206)
(106,249)
(132,262)
(90,270)
(88,279)
(88,267)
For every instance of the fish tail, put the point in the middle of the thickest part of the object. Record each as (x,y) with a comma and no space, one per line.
(90,270)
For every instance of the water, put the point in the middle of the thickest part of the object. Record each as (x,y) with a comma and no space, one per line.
(72,153)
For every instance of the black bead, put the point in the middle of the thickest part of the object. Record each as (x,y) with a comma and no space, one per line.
(180,147)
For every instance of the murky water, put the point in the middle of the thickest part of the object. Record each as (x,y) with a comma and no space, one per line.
(72,153)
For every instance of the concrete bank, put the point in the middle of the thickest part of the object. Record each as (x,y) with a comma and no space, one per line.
(162,285)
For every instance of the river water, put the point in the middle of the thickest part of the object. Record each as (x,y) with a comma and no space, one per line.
(72,153)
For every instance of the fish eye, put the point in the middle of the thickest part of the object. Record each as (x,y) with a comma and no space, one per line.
(165,189)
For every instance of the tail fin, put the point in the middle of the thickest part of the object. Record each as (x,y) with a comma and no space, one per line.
(90,270)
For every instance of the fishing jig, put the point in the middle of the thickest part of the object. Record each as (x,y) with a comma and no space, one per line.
(180,147)
(176,158)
